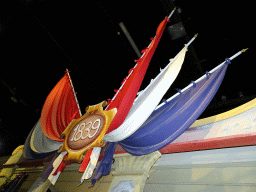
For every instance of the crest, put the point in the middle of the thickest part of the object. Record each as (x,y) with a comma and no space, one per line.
(86,132)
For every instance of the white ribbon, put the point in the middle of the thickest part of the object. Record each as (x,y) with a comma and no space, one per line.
(56,164)
(92,164)
(147,101)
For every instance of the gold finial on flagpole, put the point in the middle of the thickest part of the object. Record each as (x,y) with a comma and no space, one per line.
(244,50)
(171,13)
(196,35)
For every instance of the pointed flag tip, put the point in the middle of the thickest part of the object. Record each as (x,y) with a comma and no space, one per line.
(174,8)
(81,181)
(244,50)
(196,35)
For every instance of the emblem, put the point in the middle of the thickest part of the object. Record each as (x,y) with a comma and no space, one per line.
(86,132)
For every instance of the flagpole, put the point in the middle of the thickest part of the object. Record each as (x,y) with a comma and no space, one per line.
(171,61)
(171,13)
(195,36)
(73,89)
(231,58)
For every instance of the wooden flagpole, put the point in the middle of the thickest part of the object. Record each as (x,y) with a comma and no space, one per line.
(74,92)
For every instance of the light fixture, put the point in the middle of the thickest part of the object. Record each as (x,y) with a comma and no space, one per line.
(223,98)
(240,94)
(176,31)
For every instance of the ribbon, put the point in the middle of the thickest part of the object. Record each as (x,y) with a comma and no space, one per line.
(50,167)
(109,101)
(164,101)
(179,90)
(138,60)
(104,166)
(74,115)
(86,161)
(130,70)
(228,61)
(194,84)
(124,80)
(144,50)
(56,164)
(61,167)
(207,74)
(92,164)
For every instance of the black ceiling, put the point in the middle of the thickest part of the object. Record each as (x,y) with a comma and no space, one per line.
(39,39)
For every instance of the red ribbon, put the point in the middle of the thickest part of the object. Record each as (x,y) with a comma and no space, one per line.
(123,80)
(86,161)
(62,166)
(109,101)
(144,50)
(73,117)
(138,60)
(130,70)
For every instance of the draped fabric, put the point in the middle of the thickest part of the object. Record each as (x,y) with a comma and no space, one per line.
(92,164)
(238,121)
(125,96)
(147,101)
(86,161)
(28,153)
(59,109)
(104,166)
(169,121)
(58,163)
(45,174)
(42,144)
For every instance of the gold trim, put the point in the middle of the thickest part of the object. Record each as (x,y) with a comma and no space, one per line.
(225,115)
(77,155)
(17,150)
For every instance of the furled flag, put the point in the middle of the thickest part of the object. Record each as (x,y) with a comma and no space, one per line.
(125,96)
(59,109)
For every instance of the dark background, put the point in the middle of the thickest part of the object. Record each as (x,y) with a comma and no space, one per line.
(39,39)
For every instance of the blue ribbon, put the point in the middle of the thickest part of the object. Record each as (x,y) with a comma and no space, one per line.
(104,166)
(207,74)
(179,90)
(228,61)
(194,84)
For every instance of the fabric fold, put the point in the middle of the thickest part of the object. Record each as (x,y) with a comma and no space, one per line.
(125,96)
(104,166)
(58,110)
(147,100)
(169,121)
